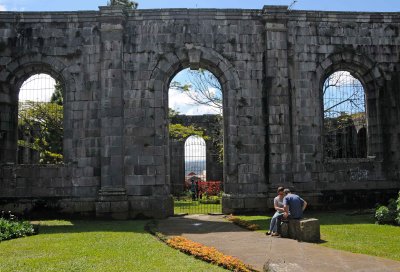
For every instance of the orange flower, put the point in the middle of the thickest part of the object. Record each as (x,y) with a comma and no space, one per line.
(209,254)
(243,223)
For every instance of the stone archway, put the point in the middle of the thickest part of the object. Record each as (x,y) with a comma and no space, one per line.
(370,76)
(197,57)
(16,73)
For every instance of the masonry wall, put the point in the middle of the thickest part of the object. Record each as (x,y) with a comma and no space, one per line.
(116,66)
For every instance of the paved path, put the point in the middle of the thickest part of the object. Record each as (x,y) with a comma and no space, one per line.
(255,248)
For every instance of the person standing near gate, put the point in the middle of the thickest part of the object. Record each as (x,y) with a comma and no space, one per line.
(193,188)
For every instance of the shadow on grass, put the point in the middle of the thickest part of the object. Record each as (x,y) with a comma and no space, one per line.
(176,226)
(343,217)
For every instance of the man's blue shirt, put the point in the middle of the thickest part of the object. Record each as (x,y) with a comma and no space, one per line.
(295,204)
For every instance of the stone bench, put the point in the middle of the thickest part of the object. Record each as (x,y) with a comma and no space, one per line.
(305,230)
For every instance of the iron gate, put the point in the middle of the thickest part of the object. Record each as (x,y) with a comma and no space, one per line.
(197,195)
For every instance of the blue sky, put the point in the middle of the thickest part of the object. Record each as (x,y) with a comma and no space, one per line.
(71,5)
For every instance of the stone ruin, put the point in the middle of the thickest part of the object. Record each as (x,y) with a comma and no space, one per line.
(116,64)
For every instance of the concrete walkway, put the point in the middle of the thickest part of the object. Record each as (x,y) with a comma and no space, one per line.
(256,249)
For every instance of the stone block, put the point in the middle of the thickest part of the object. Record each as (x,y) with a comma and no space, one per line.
(305,230)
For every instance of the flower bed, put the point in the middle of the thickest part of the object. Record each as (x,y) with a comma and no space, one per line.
(208,254)
(243,223)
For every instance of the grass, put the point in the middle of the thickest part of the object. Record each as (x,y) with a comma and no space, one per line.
(355,233)
(195,207)
(94,246)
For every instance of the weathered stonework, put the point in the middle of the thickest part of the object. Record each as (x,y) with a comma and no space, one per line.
(116,65)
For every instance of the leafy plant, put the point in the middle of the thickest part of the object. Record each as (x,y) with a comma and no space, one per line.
(181,132)
(14,229)
(389,214)
(384,216)
(41,128)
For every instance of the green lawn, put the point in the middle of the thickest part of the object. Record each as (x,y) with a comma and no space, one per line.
(94,246)
(355,233)
(195,207)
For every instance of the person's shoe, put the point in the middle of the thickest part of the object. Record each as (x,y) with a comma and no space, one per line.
(275,234)
(268,233)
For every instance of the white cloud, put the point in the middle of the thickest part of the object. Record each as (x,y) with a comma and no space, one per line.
(38,88)
(3,8)
(183,104)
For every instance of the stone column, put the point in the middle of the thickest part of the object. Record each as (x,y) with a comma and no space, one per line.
(112,199)
(8,125)
(278,96)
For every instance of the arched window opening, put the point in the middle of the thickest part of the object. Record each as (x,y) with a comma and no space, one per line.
(345,123)
(195,159)
(40,121)
(196,141)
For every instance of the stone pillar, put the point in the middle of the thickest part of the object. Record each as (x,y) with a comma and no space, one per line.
(112,199)
(8,129)
(213,165)
(177,166)
(278,96)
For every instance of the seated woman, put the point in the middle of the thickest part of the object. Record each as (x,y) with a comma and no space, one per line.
(278,205)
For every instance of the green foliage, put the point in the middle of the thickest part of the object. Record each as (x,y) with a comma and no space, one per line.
(57,96)
(389,214)
(384,215)
(345,120)
(126,3)
(172,113)
(181,132)
(41,127)
(14,229)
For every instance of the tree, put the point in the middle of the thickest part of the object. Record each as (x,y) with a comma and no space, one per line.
(203,89)
(344,116)
(343,93)
(126,3)
(41,128)
(57,96)
(181,132)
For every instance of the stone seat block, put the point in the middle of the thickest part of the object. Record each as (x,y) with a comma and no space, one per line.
(306,230)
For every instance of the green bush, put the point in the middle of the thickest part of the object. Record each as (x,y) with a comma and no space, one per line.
(389,214)
(14,229)
(384,215)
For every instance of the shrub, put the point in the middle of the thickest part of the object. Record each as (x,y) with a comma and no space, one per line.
(384,215)
(10,229)
(389,214)
(211,200)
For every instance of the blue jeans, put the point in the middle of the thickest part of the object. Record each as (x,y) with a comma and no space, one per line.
(274,221)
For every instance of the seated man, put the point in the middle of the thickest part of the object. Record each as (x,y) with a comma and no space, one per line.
(293,205)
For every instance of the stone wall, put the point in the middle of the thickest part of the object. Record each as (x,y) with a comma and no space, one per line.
(116,66)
